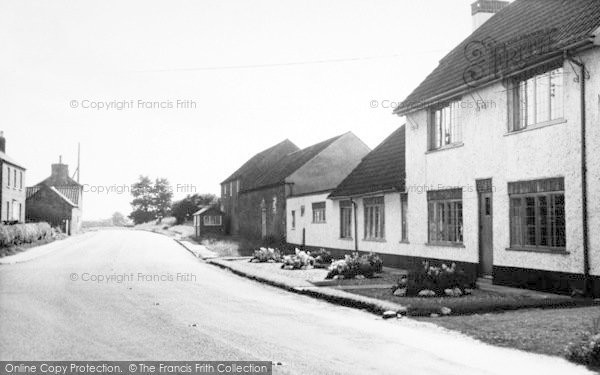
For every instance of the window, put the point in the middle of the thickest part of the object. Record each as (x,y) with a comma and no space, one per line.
(302,211)
(445,216)
(318,212)
(293,219)
(8,174)
(374,218)
(8,210)
(225,190)
(444,129)
(274,205)
(537,214)
(15,178)
(21,180)
(231,188)
(404,207)
(537,100)
(345,219)
(212,220)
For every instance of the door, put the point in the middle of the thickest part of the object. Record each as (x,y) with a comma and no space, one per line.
(264,222)
(486,245)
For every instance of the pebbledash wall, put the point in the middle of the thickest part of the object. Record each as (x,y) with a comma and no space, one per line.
(489,151)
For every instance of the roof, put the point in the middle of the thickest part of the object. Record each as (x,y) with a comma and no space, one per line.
(31,191)
(206,209)
(9,160)
(260,162)
(70,193)
(289,164)
(549,26)
(383,169)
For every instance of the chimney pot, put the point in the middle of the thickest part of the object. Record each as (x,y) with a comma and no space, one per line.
(483,10)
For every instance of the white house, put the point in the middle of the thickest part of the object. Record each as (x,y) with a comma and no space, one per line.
(364,212)
(503,137)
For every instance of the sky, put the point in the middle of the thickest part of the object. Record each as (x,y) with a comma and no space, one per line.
(189,90)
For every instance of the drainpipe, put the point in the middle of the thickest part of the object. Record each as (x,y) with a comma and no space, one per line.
(584,208)
(354,207)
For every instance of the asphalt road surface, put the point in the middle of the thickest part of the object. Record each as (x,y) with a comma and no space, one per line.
(132,295)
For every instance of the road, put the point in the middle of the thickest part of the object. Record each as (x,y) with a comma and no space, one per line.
(51,309)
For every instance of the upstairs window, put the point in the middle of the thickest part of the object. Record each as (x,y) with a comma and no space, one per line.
(302,209)
(15,178)
(374,218)
(444,126)
(21,180)
(8,179)
(537,100)
(318,211)
(274,205)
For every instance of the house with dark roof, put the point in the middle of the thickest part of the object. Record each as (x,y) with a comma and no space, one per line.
(245,176)
(315,169)
(12,191)
(208,220)
(56,200)
(363,212)
(503,140)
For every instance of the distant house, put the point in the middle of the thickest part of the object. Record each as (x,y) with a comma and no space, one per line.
(318,168)
(12,192)
(244,176)
(503,137)
(57,200)
(365,212)
(209,220)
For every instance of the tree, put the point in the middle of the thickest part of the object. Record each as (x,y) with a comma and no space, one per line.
(161,197)
(142,203)
(118,219)
(183,209)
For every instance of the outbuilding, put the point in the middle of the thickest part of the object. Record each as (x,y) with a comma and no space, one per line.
(208,220)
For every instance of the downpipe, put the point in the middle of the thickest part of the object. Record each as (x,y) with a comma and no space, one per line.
(584,206)
(354,207)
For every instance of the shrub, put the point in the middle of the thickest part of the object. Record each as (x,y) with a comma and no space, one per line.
(11,235)
(301,259)
(353,265)
(322,256)
(587,349)
(437,279)
(264,254)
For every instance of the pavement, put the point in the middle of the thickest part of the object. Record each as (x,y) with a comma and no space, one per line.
(135,295)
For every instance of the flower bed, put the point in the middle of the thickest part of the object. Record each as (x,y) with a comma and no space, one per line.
(432,281)
(355,265)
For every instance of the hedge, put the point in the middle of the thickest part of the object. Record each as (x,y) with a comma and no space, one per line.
(18,234)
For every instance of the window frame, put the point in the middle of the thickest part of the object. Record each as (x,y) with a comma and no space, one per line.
(520,103)
(453,217)
(346,221)
(206,220)
(317,209)
(445,116)
(374,219)
(293,221)
(550,189)
(404,216)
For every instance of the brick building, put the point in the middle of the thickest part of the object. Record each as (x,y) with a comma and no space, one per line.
(12,192)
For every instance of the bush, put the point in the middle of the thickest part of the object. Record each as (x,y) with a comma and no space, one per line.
(301,259)
(436,279)
(587,349)
(264,255)
(353,265)
(322,256)
(12,235)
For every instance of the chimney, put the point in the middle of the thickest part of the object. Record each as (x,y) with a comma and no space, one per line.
(2,142)
(60,172)
(483,10)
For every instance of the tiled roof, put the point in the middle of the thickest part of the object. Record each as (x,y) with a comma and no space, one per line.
(7,159)
(31,191)
(69,192)
(553,24)
(260,162)
(289,164)
(383,169)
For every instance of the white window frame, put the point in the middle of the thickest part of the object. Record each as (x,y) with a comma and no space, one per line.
(445,128)
(319,212)
(374,219)
(211,220)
